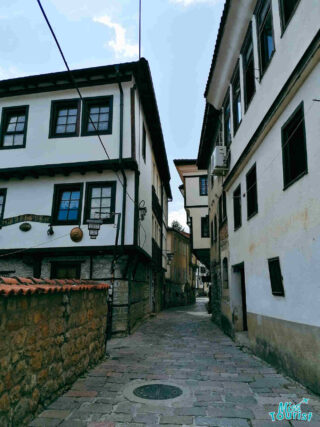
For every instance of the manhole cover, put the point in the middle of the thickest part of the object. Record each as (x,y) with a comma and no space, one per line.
(157,392)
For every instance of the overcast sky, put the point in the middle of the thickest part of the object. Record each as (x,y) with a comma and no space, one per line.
(178,38)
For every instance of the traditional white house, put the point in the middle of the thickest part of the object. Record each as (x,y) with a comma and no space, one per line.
(261,132)
(194,190)
(65,161)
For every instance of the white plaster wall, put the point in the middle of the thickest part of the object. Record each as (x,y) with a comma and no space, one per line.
(287,224)
(192,191)
(198,241)
(41,150)
(35,196)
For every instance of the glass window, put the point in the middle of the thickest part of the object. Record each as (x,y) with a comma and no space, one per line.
(67,204)
(3,193)
(225,273)
(65,118)
(205,226)
(276,277)
(248,69)
(252,194)
(227,121)
(265,34)
(237,207)
(97,116)
(100,201)
(203,184)
(236,97)
(287,9)
(14,126)
(294,151)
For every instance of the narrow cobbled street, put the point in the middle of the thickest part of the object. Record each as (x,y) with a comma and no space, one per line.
(221,384)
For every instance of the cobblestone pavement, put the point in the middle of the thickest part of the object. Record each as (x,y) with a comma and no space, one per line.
(224,386)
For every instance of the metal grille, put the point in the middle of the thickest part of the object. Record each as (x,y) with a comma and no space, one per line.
(157,392)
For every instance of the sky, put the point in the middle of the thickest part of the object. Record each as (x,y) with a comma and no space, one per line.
(178,38)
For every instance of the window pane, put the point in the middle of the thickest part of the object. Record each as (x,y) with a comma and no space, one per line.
(64,204)
(18,139)
(63,112)
(75,195)
(103,126)
(73,112)
(94,110)
(20,127)
(11,127)
(104,117)
(13,119)
(106,192)
(71,129)
(62,215)
(62,120)
(60,129)
(73,214)
(95,203)
(90,127)
(104,109)
(8,140)
(96,192)
(72,119)
(66,195)
(74,204)
(105,203)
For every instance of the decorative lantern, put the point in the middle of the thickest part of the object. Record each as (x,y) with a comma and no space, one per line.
(94,227)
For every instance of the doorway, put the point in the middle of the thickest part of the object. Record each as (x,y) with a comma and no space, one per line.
(241,291)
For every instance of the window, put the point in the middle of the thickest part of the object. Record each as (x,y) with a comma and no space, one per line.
(225,273)
(67,202)
(236,100)
(205,226)
(97,115)
(237,207)
(3,193)
(144,143)
(203,185)
(252,195)
(65,270)
(248,69)
(14,127)
(287,9)
(294,150)
(222,208)
(100,201)
(64,120)
(227,121)
(276,277)
(265,34)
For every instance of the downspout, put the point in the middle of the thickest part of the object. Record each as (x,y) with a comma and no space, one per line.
(124,198)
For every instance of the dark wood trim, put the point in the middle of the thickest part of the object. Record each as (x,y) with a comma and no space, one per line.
(105,184)
(85,114)
(247,41)
(234,196)
(136,207)
(253,213)
(53,117)
(282,95)
(235,76)
(144,142)
(284,25)
(55,200)
(5,111)
(44,219)
(196,206)
(133,121)
(3,192)
(62,168)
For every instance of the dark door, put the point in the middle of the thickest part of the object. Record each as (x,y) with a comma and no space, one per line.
(244,300)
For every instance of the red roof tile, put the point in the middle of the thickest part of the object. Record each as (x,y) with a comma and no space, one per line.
(30,285)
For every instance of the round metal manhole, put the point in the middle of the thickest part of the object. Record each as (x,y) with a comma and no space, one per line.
(157,392)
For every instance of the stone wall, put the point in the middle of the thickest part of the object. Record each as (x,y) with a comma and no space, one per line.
(292,347)
(46,342)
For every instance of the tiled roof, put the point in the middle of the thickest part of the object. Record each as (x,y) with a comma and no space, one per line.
(30,285)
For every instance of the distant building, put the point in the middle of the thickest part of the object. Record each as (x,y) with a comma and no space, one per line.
(260,148)
(194,190)
(55,176)
(181,270)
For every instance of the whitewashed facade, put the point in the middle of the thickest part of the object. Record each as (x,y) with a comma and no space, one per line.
(194,190)
(55,175)
(265,72)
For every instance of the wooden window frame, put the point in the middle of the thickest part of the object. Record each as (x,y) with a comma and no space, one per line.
(105,184)
(7,111)
(255,211)
(277,289)
(56,264)
(260,27)
(200,179)
(284,143)
(87,103)
(205,218)
(247,42)
(237,225)
(56,105)
(55,204)
(284,24)
(235,82)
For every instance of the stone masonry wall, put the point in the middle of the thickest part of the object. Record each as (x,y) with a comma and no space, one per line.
(46,342)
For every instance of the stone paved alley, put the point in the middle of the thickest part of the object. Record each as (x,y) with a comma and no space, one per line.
(223,385)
